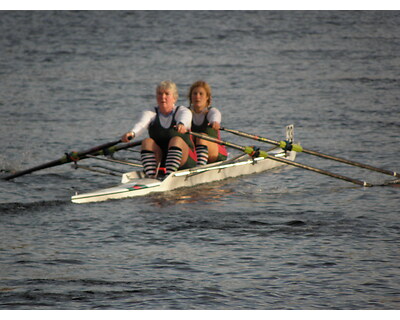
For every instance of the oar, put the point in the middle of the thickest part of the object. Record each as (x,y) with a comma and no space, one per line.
(113,149)
(74,156)
(298,148)
(259,153)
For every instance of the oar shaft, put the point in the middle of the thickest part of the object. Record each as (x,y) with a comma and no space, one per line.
(98,148)
(225,143)
(251,151)
(353,163)
(327,173)
(128,163)
(50,164)
(126,146)
(251,136)
(314,153)
(103,149)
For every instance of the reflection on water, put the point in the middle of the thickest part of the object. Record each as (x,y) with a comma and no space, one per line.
(212,192)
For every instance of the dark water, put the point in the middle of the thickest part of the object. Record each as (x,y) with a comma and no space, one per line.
(288,239)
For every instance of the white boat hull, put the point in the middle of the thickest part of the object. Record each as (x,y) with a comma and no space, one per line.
(134,183)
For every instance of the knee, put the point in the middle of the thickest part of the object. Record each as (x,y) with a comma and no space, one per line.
(202,141)
(148,144)
(176,142)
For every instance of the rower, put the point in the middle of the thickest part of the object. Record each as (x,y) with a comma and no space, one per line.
(207,120)
(167,145)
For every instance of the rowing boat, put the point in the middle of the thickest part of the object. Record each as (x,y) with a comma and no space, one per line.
(135,183)
(254,160)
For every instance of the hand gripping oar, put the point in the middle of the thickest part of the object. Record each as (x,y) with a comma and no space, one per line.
(259,153)
(75,156)
(298,148)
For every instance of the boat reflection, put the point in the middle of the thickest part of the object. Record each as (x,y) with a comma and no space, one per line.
(212,192)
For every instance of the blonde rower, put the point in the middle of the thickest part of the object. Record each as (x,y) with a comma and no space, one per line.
(167,146)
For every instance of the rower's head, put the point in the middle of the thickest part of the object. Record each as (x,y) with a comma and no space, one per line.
(167,95)
(170,86)
(200,94)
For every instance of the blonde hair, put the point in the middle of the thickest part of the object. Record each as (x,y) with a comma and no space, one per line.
(168,85)
(205,86)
